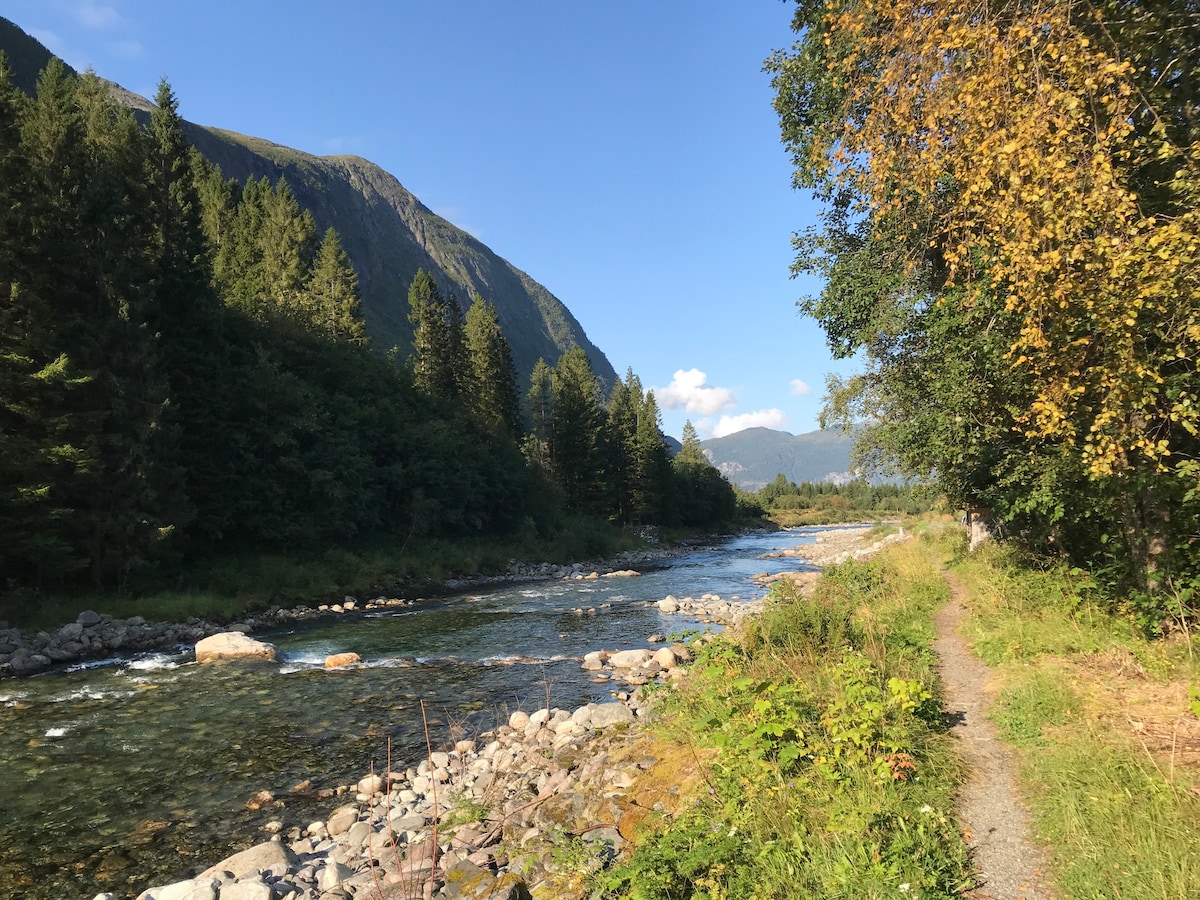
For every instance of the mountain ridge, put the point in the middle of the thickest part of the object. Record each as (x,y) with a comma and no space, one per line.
(384,228)
(751,458)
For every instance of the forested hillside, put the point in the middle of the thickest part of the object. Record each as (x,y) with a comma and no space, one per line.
(184,372)
(387,233)
(751,458)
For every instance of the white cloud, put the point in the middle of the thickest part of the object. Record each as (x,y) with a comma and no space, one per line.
(689,390)
(800,388)
(92,15)
(763,418)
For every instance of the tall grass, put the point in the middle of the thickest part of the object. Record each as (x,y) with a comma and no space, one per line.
(829,771)
(1118,808)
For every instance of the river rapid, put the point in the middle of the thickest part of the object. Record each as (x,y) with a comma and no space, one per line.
(121,773)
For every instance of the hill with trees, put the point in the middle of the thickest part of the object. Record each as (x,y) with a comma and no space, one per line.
(185,373)
(753,457)
(385,231)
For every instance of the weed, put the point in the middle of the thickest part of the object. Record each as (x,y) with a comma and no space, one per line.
(823,773)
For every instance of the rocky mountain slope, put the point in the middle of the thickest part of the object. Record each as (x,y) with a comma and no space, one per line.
(387,232)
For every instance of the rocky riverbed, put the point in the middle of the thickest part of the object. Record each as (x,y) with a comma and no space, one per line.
(492,818)
(525,810)
(97,635)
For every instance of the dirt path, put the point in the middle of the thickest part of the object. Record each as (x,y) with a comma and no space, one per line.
(1008,865)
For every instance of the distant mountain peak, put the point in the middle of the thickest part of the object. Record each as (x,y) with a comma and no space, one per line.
(753,457)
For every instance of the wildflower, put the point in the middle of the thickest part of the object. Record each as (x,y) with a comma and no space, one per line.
(904,887)
(926,808)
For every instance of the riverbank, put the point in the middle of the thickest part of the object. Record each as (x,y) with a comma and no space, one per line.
(532,806)
(93,635)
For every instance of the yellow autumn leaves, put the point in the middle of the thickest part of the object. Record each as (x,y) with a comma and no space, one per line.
(1017,138)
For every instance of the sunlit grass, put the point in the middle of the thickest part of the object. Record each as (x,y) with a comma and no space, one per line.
(808,746)
(1099,718)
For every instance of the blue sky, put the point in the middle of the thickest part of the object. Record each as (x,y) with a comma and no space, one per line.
(623,153)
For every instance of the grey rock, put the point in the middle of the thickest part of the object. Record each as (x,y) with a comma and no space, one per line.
(25,663)
(88,618)
(606,714)
(269,857)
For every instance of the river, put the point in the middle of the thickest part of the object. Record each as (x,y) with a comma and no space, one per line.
(126,772)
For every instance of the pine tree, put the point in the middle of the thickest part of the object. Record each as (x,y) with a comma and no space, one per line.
(435,353)
(539,406)
(492,395)
(577,446)
(331,296)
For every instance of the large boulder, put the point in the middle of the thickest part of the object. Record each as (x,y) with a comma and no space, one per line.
(628,659)
(606,714)
(232,645)
(270,857)
(193,889)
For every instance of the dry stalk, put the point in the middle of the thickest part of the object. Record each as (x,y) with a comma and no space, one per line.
(437,812)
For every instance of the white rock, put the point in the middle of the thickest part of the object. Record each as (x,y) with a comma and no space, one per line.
(668,605)
(628,659)
(605,714)
(518,720)
(232,645)
(246,890)
(372,784)
(541,716)
(666,658)
(192,889)
(333,875)
(269,856)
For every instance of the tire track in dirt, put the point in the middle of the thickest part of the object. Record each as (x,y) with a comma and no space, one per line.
(1008,865)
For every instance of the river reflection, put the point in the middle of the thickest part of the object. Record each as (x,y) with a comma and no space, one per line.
(125,773)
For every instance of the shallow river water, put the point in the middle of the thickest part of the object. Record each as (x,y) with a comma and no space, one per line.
(127,772)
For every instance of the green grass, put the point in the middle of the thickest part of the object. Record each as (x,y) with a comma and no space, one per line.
(1120,817)
(829,771)
(226,587)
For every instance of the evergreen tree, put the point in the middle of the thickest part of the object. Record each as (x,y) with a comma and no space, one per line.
(690,451)
(622,426)
(492,395)
(650,484)
(287,240)
(577,446)
(435,355)
(539,405)
(701,495)
(332,301)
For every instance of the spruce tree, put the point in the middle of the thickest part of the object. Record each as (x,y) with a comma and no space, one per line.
(331,297)
(577,445)
(435,353)
(539,407)
(492,395)
(650,485)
